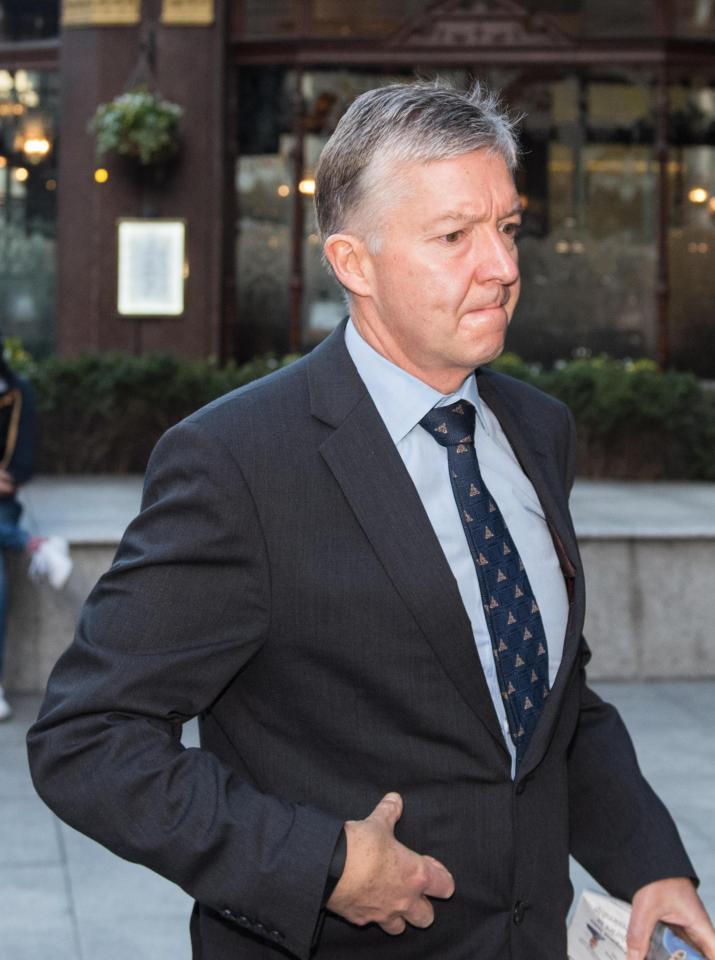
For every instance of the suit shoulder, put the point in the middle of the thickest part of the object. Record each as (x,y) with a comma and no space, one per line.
(259,398)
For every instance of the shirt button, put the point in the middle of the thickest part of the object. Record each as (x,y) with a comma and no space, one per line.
(519,911)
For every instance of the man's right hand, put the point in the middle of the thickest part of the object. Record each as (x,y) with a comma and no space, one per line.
(383,881)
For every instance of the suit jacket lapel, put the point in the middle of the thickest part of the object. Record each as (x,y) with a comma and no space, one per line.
(373,478)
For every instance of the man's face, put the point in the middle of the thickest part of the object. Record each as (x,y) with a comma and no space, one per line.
(445,281)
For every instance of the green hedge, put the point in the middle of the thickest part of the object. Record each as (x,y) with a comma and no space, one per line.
(103,413)
(633,421)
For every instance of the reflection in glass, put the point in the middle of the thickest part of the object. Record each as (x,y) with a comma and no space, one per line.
(587,251)
(264,184)
(29,19)
(28,184)
(692,233)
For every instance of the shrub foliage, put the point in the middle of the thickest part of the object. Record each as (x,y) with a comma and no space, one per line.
(634,422)
(104,413)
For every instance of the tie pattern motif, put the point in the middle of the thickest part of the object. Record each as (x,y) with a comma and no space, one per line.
(511,611)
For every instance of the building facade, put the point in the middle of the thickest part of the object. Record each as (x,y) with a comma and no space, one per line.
(618,178)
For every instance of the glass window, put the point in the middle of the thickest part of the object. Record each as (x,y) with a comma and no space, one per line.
(28,194)
(599,18)
(335,18)
(587,251)
(692,228)
(264,182)
(29,19)
(326,18)
(279,18)
(695,18)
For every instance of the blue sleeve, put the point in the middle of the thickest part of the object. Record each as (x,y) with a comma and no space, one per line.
(22,462)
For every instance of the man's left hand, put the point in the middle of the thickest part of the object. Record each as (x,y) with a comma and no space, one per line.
(673,901)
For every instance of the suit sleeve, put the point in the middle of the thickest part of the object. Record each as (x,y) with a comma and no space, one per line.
(620,831)
(183,608)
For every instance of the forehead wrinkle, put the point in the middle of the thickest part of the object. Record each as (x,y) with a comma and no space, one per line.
(457,216)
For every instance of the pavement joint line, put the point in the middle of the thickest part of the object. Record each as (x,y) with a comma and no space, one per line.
(69,892)
(28,864)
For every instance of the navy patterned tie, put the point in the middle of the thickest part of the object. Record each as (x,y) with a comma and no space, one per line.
(511,610)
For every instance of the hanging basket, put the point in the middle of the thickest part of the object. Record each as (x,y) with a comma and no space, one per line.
(140,126)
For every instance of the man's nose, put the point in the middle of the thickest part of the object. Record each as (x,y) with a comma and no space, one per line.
(495,261)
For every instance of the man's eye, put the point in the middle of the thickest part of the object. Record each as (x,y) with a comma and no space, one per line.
(511,229)
(453,237)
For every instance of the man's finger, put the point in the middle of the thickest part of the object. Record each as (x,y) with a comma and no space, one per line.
(388,810)
(395,926)
(421,915)
(440,882)
(703,938)
(640,930)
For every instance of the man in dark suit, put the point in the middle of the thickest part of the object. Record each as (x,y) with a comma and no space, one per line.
(362,575)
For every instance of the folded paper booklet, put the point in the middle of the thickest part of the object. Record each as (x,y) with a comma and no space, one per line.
(598,932)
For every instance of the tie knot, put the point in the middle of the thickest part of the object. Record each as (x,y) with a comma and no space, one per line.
(451,425)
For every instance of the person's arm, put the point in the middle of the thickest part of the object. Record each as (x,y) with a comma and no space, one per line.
(622,833)
(22,462)
(620,830)
(183,608)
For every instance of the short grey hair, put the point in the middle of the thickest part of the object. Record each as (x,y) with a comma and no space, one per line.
(403,123)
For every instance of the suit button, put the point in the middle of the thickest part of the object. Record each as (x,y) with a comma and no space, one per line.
(227,913)
(244,920)
(276,934)
(519,912)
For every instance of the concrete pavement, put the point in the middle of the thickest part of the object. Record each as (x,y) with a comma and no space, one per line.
(96,509)
(64,897)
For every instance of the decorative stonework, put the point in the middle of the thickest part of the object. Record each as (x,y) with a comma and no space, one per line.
(479,24)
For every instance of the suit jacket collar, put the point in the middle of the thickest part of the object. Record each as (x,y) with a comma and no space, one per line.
(379,490)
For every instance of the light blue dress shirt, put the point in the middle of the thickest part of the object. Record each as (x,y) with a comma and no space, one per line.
(402,400)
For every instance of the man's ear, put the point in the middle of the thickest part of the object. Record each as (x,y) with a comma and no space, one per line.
(348,256)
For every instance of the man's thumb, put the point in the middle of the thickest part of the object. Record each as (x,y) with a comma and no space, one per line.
(389,809)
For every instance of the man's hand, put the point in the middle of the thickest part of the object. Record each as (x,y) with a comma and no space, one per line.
(383,881)
(7,484)
(673,901)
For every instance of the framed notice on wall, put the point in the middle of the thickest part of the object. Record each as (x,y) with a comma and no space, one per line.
(188,12)
(152,267)
(91,13)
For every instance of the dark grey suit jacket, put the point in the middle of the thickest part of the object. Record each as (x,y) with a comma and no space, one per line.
(283,582)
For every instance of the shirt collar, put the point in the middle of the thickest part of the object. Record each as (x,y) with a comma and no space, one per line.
(401,399)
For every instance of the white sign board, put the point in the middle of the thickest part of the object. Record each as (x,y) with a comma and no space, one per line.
(152,268)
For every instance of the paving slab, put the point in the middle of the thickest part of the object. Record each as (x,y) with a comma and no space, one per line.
(36,920)
(28,832)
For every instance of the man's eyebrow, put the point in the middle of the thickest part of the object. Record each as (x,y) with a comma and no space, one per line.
(517,210)
(453,216)
(456,216)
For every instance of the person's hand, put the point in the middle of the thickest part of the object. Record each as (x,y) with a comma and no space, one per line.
(673,901)
(383,881)
(7,484)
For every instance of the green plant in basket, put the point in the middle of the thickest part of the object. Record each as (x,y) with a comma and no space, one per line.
(140,125)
